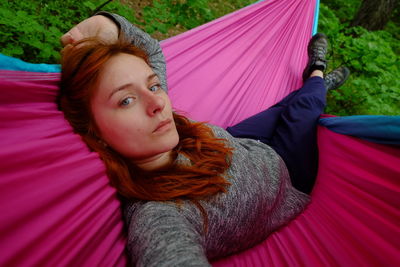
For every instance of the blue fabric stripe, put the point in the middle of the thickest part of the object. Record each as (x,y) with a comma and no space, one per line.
(257,2)
(11,63)
(378,129)
(316,16)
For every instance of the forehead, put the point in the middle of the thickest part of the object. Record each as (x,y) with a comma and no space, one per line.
(125,62)
(121,69)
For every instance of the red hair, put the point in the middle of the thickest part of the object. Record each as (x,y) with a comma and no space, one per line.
(208,155)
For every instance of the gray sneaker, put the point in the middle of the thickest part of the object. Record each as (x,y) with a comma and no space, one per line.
(336,78)
(317,49)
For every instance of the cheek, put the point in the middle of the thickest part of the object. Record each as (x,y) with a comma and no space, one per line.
(125,130)
(122,130)
(108,127)
(166,99)
(169,108)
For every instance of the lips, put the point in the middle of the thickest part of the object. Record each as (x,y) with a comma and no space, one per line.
(163,126)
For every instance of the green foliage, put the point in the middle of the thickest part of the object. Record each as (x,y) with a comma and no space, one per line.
(374,85)
(193,13)
(344,10)
(31,30)
(166,14)
(158,17)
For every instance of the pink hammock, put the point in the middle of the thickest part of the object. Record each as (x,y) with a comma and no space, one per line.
(58,209)
(238,65)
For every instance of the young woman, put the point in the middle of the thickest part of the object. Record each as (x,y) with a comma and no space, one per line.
(191,191)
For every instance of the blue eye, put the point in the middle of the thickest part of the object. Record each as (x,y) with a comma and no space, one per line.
(155,88)
(126,101)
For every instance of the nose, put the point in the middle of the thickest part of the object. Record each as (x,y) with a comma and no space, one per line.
(154,104)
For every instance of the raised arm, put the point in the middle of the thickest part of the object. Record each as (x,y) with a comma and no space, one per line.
(143,40)
(158,235)
(106,26)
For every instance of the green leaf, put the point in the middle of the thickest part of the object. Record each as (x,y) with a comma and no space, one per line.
(89,5)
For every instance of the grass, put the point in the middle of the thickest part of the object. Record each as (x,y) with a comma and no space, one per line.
(218,8)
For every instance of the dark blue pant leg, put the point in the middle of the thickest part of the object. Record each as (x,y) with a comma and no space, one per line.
(289,127)
(261,126)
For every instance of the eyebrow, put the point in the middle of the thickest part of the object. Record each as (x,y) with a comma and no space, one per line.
(122,87)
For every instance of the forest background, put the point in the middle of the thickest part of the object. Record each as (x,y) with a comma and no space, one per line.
(30,30)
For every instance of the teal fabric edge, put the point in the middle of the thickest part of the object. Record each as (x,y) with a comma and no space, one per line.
(374,128)
(15,64)
(257,2)
(316,17)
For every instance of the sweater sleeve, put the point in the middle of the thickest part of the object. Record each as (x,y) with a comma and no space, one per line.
(144,41)
(158,235)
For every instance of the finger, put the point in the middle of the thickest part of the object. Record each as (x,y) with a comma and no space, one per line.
(66,39)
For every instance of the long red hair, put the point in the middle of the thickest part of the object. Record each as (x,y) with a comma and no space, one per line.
(209,156)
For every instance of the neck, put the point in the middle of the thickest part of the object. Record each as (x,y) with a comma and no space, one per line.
(154,162)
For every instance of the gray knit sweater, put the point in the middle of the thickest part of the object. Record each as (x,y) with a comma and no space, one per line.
(259,200)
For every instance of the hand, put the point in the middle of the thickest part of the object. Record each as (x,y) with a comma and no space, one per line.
(99,26)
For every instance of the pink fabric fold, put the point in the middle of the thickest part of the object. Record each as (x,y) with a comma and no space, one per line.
(240,64)
(57,206)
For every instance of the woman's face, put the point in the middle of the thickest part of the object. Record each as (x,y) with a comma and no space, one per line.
(132,112)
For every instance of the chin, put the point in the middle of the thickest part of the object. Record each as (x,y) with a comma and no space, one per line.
(165,145)
(172,142)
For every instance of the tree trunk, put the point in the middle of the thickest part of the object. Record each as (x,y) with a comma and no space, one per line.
(374,14)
